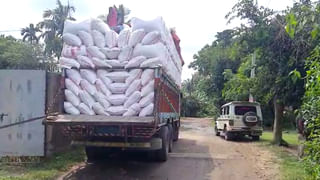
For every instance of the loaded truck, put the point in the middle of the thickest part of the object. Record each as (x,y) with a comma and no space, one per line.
(100,134)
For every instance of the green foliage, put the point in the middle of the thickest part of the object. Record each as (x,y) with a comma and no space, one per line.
(291,24)
(49,168)
(311,112)
(52,27)
(15,54)
(30,34)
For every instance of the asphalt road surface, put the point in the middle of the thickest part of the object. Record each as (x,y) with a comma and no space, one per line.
(198,154)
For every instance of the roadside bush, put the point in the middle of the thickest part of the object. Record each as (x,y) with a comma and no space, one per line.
(311,114)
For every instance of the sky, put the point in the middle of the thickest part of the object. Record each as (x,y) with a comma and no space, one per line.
(196,21)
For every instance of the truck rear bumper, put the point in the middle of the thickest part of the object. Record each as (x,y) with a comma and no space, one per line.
(253,132)
(153,144)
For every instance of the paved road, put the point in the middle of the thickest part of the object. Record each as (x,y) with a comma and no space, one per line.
(197,155)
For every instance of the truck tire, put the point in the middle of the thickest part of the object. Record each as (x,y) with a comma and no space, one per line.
(162,154)
(170,137)
(92,153)
(176,132)
(255,138)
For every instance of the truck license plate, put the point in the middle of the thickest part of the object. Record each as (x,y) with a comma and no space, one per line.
(107,130)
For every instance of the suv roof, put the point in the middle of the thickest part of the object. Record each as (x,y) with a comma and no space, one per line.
(241,102)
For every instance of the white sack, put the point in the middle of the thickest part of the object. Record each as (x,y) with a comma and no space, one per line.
(156,24)
(136,37)
(86,38)
(135,107)
(106,81)
(100,63)
(84,109)
(89,75)
(147,88)
(133,75)
(69,63)
(73,51)
(134,98)
(86,98)
(101,73)
(151,38)
(135,62)
(152,62)
(134,86)
(85,85)
(116,110)
(70,109)
(111,39)
(123,38)
(115,63)
(147,76)
(102,87)
(71,39)
(130,113)
(125,54)
(98,39)
(117,88)
(74,75)
(95,52)
(117,99)
(100,26)
(151,51)
(146,111)
(74,27)
(85,62)
(118,76)
(72,86)
(72,98)
(111,53)
(102,99)
(98,109)
(145,101)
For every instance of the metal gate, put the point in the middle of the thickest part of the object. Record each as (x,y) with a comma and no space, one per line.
(22,97)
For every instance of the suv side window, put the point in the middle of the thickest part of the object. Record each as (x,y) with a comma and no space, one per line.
(222,111)
(227,110)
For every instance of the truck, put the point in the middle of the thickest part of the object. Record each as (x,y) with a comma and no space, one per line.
(101,134)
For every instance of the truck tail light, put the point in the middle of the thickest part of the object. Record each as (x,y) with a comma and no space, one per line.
(231,122)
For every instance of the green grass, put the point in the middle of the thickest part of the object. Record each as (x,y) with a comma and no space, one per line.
(47,169)
(290,137)
(291,168)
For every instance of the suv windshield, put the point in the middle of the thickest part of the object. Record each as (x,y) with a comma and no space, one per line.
(241,110)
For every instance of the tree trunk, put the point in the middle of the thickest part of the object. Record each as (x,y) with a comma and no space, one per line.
(278,121)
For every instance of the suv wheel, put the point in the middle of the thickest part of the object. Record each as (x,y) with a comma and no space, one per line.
(255,138)
(227,136)
(216,131)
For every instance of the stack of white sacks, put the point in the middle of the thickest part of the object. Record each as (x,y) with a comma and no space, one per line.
(112,74)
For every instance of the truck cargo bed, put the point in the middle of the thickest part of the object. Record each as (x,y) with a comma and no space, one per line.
(98,120)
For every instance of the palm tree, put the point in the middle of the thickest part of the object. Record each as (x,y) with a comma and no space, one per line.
(53,25)
(30,33)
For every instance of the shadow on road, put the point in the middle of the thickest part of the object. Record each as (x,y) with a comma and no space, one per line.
(137,165)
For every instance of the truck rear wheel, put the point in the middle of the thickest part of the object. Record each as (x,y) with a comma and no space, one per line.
(170,137)
(176,132)
(162,154)
(92,153)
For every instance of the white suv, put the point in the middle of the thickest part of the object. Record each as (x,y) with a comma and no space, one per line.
(239,118)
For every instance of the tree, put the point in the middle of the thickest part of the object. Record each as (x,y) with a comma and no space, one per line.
(53,25)
(15,54)
(30,33)
(278,56)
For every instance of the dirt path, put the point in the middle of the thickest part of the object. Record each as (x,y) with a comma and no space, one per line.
(197,155)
